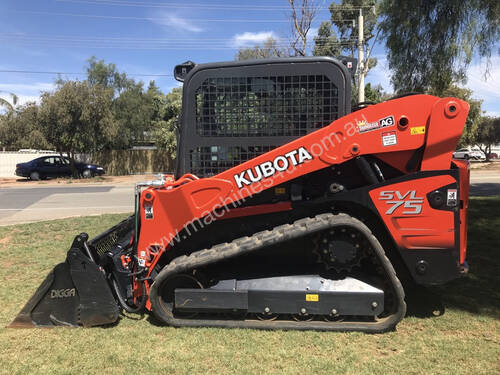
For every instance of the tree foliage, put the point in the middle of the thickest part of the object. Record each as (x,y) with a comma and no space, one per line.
(10,106)
(340,35)
(108,110)
(107,75)
(326,42)
(77,117)
(168,110)
(488,134)
(430,43)
(21,130)
(267,50)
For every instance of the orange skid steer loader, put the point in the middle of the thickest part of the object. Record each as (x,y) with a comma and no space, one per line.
(288,210)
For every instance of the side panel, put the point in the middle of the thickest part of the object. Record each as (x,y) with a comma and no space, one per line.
(424,220)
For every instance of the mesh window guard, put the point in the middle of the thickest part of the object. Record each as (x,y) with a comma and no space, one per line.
(291,105)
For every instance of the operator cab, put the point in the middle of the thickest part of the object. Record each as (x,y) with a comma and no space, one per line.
(235,111)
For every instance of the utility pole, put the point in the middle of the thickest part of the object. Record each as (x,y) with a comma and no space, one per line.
(361,58)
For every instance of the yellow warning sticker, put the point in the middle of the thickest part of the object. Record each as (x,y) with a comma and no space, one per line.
(279,190)
(417,130)
(312,297)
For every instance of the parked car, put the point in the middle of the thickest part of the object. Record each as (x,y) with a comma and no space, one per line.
(468,153)
(55,166)
(493,155)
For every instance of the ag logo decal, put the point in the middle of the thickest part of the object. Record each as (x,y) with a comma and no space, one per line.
(411,204)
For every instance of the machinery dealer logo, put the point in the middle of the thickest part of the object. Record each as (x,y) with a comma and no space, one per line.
(365,126)
(267,169)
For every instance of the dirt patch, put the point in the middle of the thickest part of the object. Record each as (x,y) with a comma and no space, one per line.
(5,240)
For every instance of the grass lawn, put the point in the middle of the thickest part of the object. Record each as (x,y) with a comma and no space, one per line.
(465,340)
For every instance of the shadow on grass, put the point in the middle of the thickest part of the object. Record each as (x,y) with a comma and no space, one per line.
(477,292)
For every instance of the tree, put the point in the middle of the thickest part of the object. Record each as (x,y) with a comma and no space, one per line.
(488,134)
(267,50)
(301,20)
(77,117)
(107,75)
(375,94)
(326,42)
(168,109)
(430,43)
(21,129)
(133,110)
(344,17)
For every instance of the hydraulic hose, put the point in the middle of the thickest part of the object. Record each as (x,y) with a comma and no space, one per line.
(123,302)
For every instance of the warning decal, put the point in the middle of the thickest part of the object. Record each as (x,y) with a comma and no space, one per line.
(417,130)
(389,139)
(312,297)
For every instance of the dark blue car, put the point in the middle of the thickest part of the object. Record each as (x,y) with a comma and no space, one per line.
(55,166)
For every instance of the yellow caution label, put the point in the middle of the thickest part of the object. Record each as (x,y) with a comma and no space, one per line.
(279,191)
(312,297)
(417,130)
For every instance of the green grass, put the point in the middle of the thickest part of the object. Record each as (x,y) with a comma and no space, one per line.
(465,340)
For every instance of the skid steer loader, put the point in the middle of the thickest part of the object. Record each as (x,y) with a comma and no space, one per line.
(288,210)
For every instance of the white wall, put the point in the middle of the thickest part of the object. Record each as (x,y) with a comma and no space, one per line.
(8,161)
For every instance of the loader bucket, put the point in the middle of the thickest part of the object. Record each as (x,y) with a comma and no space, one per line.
(75,293)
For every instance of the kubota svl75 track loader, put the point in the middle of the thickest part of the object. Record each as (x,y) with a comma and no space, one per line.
(288,210)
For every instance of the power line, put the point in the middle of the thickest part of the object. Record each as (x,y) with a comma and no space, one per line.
(81,73)
(199,6)
(153,19)
(144,43)
(131,39)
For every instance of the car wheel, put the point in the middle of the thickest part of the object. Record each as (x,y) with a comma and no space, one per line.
(87,173)
(466,157)
(35,176)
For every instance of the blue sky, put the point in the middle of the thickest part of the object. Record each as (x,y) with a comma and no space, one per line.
(150,37)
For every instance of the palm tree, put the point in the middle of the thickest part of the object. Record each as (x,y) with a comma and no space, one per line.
(6,104)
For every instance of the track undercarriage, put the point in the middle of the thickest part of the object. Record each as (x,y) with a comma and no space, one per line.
(198,289)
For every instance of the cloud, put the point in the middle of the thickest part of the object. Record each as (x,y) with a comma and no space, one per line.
(248,39)
(171,20)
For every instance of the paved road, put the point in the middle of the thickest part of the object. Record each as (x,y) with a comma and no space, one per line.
(22,205)
(28,204)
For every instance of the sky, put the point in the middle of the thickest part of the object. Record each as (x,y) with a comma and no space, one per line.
(146,39)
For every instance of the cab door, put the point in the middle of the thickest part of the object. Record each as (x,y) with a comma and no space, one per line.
(64,167)
(48,167)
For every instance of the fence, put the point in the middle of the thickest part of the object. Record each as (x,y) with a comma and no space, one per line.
(116,162)
(124,162)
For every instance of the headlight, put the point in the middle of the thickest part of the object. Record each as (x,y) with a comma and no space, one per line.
(89,166)
(100,168)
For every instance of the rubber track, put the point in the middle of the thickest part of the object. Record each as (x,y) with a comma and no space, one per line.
(286,232)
